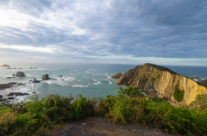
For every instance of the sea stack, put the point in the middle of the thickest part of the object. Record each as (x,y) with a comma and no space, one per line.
(45,77)
(20,74)
(157,81)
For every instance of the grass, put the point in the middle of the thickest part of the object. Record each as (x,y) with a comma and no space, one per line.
(37,117)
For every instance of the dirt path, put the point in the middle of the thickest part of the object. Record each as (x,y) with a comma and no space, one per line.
(95,126)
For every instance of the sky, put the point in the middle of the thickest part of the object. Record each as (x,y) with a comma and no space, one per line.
(167,32)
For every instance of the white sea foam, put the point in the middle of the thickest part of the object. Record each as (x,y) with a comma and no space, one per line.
(79,86)
(69,78)
(61,81)
(97,83)
(56,82)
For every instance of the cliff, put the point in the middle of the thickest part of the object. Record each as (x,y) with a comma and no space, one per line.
(157,81)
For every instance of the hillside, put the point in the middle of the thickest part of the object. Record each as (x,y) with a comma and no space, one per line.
(157,81)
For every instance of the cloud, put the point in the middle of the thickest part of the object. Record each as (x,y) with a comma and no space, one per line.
(29,48)
(82,28)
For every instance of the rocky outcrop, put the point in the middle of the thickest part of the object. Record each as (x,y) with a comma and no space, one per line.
(20,74)
(157,81)
(9,85)
(117,75)
(45,77)
(196,78)
(17,94)
(35,81)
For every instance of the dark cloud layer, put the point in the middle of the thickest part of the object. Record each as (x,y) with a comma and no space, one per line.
(93,28)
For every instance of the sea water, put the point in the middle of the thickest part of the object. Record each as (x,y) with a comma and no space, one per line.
(89,80)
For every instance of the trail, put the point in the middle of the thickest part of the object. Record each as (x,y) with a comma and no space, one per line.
(96,126)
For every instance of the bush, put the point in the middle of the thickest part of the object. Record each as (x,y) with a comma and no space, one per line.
(37,116)
(178,95)
(83,107)
(7,120)
(127,109)
(131,92)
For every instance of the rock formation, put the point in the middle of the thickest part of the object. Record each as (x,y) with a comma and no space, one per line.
(20,74)
(117,75)
(45,77)
(35,81)
(196,78)
(157,81)
(9,85)
(17,94)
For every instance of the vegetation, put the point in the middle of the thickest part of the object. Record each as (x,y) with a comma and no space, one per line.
(178,95)
(129,106)
(37,116)
(200,103)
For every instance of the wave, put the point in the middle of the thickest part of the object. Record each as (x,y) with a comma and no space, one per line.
(97,82)
(61,81)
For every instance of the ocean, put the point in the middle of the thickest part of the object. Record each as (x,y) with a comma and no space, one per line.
(89,80)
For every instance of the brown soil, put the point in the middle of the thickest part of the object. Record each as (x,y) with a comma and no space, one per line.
(96,126)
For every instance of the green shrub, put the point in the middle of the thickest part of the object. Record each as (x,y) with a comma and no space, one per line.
(84,107)
(178,95)
(131,92)
(127,109)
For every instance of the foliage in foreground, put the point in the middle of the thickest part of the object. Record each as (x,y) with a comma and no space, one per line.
(129,106)
(35,117)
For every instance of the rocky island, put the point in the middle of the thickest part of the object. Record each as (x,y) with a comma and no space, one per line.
(158,81)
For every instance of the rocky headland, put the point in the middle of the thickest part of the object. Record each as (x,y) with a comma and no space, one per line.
(117,75)
(157,81)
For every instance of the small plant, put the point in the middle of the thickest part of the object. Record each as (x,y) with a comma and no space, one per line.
(178,95)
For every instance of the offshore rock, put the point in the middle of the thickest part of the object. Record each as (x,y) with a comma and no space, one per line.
(45,77)
(157,81)
(20,74)
(9,85)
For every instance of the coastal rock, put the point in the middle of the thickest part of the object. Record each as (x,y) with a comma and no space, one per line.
(60,75)
(6,66)
(20,74)
(157,81)
(17,94)
(203,82)
(117,75)
(10,77)
(2,100)
(45,77)
(35,81)
(196,78)
(9,85)
(11,98)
